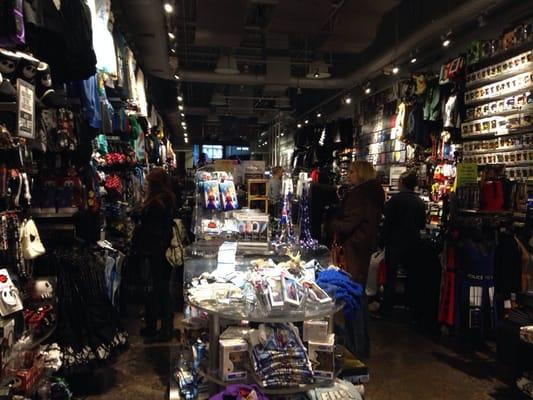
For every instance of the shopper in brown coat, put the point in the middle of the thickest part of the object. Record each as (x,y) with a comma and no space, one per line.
(356,226)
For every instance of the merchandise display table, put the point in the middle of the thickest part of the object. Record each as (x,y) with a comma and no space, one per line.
(217,313)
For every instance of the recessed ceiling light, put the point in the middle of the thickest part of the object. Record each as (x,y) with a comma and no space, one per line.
(180,98)
(168,8)
(395,70)
(318,115)
(306,121)
(180,107)
(299,125)
(171,36)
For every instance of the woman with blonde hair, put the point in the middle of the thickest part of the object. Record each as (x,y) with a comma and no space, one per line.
(356,226)
(356,229)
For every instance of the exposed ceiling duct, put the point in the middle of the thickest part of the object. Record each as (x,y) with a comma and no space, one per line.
(220,23)
(302,17)
(421,37)
(227,65)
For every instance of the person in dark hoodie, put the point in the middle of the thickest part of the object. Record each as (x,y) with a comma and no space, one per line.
(356,228)
(405,216)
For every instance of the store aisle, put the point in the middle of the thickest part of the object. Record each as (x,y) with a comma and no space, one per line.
(405,365)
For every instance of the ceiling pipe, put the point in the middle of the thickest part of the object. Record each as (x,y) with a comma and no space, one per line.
(421,37)
(259,80)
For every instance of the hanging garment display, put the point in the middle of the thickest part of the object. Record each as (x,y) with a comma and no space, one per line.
(104,44)
(60,33)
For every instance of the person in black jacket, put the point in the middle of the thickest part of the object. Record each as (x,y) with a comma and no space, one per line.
(405,216)
(155,233)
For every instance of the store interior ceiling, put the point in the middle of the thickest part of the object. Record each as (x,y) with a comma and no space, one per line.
(243,63)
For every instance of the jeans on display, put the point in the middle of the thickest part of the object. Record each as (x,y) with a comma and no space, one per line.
(354,331)
(394,258)
(159,301)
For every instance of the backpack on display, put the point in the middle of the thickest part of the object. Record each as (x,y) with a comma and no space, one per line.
(31,244)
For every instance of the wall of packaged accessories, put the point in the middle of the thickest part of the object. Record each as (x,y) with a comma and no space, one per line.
(76,136)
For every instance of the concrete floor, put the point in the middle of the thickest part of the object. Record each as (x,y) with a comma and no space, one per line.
(404,365)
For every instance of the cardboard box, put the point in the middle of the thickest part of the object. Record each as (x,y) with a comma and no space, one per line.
(315,331)
(322,357)
(233,358)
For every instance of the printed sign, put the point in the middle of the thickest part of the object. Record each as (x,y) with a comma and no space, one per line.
(26,109)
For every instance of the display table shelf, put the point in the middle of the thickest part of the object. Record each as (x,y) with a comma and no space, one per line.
(238,312)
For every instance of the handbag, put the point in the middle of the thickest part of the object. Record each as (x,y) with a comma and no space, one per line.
(175,252)
(31,244)
(337,254)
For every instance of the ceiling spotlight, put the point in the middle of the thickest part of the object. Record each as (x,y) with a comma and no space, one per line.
(299,126)
(168,8)
(413,60)
(316,74)
(180,98)
(347,99)
(171,36)
(176,76)
(183,123)
(367,88)
(173,51)
(185,134)
(180,107)
(306,121)
(182,114)
(282,134)
(318,115)
(186,140)
(446,39)
(395,70)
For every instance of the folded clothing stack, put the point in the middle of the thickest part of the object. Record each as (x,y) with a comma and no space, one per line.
(278,355)
(526,334)
(525,384)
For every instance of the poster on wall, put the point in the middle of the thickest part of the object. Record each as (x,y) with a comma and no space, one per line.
(26,109)
(394,175)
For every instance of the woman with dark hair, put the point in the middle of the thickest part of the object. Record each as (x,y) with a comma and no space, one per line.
(155,234)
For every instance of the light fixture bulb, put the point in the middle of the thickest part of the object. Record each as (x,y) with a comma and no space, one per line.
(306,121)
(173,51)
(413,60)
(446,42)
(299,126)
(316,74)
(282,134)
(180,107)
(348,100)
(183,123)
(180,98)
(182,114)
(395,70)
(368,90)
(318,115)
(168,8)
(171,36)
(176,76)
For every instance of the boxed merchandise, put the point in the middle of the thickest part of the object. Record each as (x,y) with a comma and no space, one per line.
(211,195)
(233,356)
(315,331)
(292,291)
(229,196)
(252,226)
(322,357)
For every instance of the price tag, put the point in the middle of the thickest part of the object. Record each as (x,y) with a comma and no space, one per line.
(26,109)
